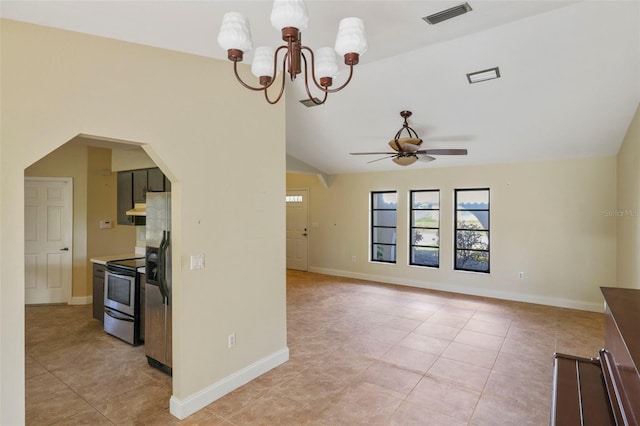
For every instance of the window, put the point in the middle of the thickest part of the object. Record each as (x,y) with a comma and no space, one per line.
(424,237)
(472,230)
(383,226)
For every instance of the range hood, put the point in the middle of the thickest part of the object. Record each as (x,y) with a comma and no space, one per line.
(139,209)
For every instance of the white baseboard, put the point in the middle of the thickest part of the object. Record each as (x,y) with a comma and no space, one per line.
(182,408)
(83,300)
(474,291)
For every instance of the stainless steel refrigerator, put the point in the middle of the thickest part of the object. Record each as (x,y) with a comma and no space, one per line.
(157,333)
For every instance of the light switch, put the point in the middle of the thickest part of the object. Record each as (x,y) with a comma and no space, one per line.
(105,224)
(197,261)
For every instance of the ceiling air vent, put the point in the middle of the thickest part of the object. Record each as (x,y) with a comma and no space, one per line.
(309,103)
(448,14)
(484,75)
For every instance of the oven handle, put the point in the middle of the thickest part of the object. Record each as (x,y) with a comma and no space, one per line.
(119,273)
(113,314)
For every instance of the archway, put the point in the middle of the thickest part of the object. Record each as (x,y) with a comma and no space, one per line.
(65,342)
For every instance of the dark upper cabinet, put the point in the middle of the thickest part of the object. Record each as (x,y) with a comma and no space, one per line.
(155,180)
(125,197)
(133,186)
(139,185)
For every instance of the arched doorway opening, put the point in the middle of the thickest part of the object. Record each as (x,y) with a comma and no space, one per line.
(66,347)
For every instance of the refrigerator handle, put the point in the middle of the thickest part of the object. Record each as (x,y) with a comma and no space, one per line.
(162,281)
(161,263)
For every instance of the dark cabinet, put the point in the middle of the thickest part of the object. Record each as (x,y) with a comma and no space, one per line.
(125,198)
(98,291)
(133,186)
(156,181)
(139,186)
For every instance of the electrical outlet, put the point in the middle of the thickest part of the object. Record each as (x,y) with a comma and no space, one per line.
(521,275)
(231,340)
(354,259)
(197,261)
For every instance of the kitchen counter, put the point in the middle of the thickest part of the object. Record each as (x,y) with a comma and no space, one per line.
(102,260)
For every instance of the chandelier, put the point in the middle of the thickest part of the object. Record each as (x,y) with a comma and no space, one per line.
(290,17)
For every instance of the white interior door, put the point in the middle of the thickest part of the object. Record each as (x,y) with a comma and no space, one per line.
(297,229)
(48,224)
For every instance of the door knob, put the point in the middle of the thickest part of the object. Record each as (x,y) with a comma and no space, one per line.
(304,235)
(64,249)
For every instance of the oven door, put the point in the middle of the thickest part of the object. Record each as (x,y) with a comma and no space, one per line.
(120,292)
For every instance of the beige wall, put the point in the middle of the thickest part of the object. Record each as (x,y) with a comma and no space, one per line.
(71,161)
(185,108)
(548,220)
(130,159)
(94,199)
(628,211)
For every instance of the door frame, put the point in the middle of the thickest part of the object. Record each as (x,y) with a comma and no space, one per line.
(308,191)
(68,287)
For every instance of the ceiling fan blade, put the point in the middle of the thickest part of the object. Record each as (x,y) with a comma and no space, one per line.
(372,153)
(426,158)
(383,158)
(446,151)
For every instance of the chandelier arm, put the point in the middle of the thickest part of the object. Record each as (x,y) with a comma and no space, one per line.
(311,97)
(313,73)
(287,52)
(284,62)
(235,71)
(345,83)
(273,77)
(306,80)
(313,70)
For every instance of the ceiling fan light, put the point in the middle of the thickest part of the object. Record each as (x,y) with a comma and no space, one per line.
(351,37)
(289,13)
(235,32)
(405,160)
(393,143)
(326,64)
(412,141)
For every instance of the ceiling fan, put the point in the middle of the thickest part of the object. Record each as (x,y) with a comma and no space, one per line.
(407,149)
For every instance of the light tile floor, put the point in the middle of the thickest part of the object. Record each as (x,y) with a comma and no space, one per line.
(361,353)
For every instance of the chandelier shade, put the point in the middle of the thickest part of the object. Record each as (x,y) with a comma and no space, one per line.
(263,58)
(326,64)
(235,33)
(289,13)
(351,37)
(290,16)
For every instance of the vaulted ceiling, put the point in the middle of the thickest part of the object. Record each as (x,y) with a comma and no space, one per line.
(569,85)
